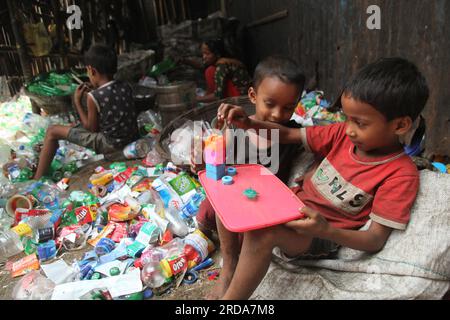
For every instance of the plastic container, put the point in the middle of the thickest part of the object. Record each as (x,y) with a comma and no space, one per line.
(191,208)
(149,124)
(199,244)
(176,224)
(139,149)
(174,265)
(152,275)
(10,245)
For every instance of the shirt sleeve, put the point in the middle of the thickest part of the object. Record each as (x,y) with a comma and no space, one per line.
(320,139)
(393,201)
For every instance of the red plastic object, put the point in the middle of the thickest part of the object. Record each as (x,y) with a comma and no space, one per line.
(276,203)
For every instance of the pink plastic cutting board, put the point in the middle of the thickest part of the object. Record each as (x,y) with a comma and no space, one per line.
(276,203)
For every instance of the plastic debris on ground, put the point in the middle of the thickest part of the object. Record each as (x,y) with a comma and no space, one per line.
(22,134)
(136,223)
(313,110)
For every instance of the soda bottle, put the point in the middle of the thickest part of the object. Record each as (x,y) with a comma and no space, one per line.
(174,265)
(195,249)
(152,275)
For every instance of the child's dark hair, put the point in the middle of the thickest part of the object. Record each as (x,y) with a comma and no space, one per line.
(284,68)
(103,58)
(393,86)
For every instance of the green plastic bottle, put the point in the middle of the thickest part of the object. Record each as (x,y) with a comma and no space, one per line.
(162,67)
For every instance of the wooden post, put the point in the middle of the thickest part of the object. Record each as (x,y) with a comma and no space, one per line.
(25,60)
(59,29)
(223,7)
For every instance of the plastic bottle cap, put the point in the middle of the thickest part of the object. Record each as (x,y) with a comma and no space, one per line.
(114,271)
(227,180)
(231,171)
(251,194)
(148,293)
(96,276)
(191,277)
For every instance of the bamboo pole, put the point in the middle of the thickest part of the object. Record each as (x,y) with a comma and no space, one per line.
(20,41)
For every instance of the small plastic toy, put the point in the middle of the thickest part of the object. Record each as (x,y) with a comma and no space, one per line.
(231,171)
(215,157)
(215,172)
(250,194)
(227,180)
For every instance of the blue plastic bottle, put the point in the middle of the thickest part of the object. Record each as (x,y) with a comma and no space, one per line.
(191,208)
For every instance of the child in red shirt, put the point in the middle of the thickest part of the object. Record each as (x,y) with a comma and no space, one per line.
(364,175)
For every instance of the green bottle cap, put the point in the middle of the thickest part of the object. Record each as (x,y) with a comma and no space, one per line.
(96,276)
(114,271)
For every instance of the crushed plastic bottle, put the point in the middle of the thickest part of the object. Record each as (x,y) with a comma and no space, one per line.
(10,245)
(149,123)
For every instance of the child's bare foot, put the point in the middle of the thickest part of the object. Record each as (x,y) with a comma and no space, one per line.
(219,289)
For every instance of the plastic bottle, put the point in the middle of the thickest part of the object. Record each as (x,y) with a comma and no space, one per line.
(10,245)
(171,266)
(25,151)
(162,67)
(144,146)
(139,149)
(152,275)
(149,123)
(191,208)
(176,224)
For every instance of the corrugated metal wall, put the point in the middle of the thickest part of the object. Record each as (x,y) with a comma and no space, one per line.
(330,38)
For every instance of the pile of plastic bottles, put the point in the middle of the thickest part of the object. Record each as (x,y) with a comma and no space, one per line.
(53,84)
(134,220)
(21,136)
(313,110)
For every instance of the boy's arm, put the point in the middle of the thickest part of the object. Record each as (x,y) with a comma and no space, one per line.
(89,120)
(315,225)
(236,115)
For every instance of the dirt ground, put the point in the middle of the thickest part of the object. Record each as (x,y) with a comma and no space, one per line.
(196,291)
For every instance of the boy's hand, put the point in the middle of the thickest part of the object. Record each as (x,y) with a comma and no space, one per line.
(314,224)
(81,90)
(231,114)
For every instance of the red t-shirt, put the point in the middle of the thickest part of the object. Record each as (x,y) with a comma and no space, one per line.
(348,190)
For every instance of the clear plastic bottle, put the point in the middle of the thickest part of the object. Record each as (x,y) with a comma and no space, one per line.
(176,224)
(10,245)
(144,146)
(25,151)
(152,275)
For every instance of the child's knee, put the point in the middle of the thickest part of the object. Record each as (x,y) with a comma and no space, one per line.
(51,132)
(263,237)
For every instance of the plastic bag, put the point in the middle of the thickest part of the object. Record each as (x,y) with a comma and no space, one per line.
(33,286)
(37,39)
(180,144)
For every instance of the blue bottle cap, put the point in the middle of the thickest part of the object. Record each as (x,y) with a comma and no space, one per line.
(227,180)
(148,293)
(231,171)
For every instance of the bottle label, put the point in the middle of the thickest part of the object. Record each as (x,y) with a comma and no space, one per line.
(174,265)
